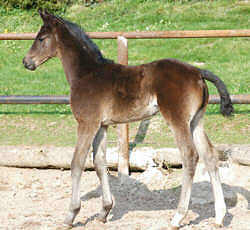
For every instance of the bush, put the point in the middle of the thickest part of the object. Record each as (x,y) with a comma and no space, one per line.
(52,5)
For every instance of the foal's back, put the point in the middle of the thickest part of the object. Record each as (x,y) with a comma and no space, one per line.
(116,93)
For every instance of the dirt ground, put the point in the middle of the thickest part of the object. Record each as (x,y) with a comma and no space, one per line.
(33,199)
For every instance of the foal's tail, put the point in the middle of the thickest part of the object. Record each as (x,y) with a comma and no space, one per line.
(226,107)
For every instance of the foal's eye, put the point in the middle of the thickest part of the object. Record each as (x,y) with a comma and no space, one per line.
(41,39)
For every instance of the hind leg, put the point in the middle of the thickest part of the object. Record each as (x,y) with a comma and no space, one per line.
(190,158)
(99,150)
(210,157)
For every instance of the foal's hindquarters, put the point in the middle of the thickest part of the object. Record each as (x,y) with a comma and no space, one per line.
(184,115)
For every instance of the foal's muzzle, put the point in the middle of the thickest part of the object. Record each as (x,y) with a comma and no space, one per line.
(29,64)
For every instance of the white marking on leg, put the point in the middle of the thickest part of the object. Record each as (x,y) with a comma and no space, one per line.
(220,206)
(204,150)
(177,219)
(200,141)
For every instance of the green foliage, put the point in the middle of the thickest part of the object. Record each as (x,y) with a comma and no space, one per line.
(53,5)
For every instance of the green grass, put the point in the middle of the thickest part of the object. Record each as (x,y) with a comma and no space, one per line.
(59,129)
(226,57)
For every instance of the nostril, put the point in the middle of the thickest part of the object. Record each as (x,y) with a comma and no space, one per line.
(28,63)
(24,62)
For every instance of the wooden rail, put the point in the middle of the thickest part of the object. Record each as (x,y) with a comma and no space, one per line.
(145,34)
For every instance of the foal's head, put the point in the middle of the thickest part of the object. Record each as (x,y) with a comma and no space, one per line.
(54,30)
(45,44)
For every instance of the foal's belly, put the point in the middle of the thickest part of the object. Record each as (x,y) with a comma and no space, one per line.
(138,110)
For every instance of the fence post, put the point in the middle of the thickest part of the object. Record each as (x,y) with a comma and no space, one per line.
(123,129)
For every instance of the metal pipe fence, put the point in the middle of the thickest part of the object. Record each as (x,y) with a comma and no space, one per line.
(14,99)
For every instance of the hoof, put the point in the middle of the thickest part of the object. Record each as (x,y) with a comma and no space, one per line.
(101,218)
(68,222)
(66,227)
(174,228)
(218,225)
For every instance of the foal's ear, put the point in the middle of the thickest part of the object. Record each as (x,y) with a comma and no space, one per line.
(44,15)
(50,19)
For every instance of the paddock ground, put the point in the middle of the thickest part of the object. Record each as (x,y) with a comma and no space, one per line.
(37,199)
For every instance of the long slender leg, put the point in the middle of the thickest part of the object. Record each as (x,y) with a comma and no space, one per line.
(99,150)
(190,159)
(210,157)
(85,137)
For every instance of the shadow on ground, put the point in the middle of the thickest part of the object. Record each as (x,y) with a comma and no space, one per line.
(133,195)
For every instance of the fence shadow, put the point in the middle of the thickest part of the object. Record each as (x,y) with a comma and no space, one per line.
(141,134)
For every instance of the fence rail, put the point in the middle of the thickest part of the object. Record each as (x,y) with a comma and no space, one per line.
(213,99)
(145,34)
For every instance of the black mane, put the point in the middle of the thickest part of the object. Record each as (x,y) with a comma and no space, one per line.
(86,42)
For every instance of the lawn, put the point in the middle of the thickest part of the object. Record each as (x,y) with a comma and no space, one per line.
(54,124)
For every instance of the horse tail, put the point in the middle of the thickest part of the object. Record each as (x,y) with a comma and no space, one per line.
(226,107)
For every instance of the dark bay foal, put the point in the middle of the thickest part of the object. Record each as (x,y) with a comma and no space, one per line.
(104,93)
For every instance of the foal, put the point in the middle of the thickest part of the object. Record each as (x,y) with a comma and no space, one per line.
(104,93)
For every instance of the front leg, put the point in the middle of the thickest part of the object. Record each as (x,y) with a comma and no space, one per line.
(99,150)
(86,135)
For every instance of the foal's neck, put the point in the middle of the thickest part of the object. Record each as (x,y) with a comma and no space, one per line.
(76,61)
